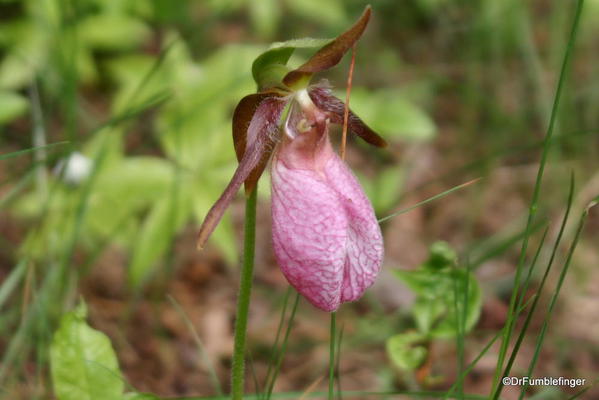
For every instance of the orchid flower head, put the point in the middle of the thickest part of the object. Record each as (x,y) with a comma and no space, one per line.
(326,238)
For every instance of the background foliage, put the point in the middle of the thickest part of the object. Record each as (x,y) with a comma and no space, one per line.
(115,141)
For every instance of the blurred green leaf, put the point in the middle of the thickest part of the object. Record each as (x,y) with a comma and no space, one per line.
(439,285)
(383,190)
(432,6)
(427,312)
(442,255)
(113,31)
(392,115)
(265,15)
(12,105)
(164,220)
(140,396)
(27,50)
(123,191)
(405,350)
(83,363)
(225,6)
(448,326)
(328,12)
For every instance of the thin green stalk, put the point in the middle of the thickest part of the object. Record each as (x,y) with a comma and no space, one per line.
(535,302)
(461,325)
(338,362)
(470,367)
(554,297)
(435,197)
(535,197)
(277,368)
(332,356)
(243,297)
(528,279)
(273,351)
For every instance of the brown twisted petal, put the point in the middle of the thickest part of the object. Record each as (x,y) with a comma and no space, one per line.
(254,151)
(242,118)
(323,99)
(330,55)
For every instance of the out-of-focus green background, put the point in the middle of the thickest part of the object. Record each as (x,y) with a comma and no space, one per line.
(129,103)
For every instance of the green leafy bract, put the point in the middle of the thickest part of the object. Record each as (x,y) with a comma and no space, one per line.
(270,68)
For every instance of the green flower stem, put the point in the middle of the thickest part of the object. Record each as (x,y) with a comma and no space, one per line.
(243,297)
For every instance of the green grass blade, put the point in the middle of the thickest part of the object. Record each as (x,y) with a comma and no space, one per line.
(32,149)
(433,198)
(531,269)
(499,248)
(533,208)
(471,366)
(554,297)
(271,384)
(11,282)
(275,345)
(535,302)
(582,391)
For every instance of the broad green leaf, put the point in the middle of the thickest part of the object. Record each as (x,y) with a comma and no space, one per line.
(83,364)
(12,105)
(391,114)
(405,350)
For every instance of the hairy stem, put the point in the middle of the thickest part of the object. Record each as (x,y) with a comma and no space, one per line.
(243,297)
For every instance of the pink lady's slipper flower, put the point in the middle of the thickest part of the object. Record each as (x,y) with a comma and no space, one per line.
(326,237)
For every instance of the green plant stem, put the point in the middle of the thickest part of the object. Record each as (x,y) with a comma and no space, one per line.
(243,297)
(332,356)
